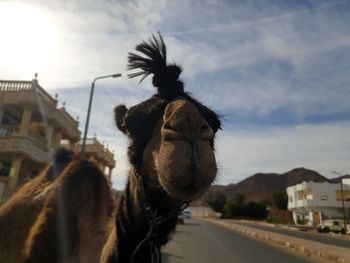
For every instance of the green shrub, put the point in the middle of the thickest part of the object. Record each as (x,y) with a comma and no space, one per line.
(252,210)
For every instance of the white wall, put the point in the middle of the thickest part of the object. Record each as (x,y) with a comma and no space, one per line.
(329,207)
(330,212)
(318,190)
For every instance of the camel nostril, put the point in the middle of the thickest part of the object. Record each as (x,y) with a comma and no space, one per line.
(167,126)
(169,132)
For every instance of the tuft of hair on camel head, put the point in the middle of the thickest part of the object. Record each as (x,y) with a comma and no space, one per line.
(152,60)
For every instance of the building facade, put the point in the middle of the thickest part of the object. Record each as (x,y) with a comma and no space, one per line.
(31,128)
(101,155)
(311,202)
(97,152)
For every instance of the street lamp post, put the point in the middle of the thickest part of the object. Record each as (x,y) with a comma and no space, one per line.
(89,108)
(342,198)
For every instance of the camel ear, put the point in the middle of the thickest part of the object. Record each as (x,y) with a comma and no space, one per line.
(119,114)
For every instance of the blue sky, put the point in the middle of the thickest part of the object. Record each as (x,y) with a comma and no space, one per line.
(277,71)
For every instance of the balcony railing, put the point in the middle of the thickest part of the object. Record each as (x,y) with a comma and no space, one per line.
(32,86)
(46,96)
(109,153)
(69,119)
(97,149)
(30,92)
(39,139)
(13,130)
(28,146)
(8,130)
(10,85)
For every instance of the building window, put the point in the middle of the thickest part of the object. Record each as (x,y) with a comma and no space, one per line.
(302,218)
(346,195)
(324,197)
(9,119)
(291,199)
(5,168)
(300,196)
(305,194)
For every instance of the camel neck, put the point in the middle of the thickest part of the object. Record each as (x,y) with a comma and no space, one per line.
(132,224)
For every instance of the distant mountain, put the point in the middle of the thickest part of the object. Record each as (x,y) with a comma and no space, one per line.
(337,179)
(262,185)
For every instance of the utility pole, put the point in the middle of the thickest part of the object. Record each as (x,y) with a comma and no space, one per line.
(342,199)
(343,205)
(89,108)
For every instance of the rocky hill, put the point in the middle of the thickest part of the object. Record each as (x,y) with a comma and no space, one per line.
(262,185)
(337,179)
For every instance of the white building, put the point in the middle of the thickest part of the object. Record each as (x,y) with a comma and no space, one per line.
(314,202)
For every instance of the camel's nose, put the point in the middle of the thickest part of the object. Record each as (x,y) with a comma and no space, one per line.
(182,121)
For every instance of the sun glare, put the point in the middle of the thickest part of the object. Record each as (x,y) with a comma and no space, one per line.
(29,39)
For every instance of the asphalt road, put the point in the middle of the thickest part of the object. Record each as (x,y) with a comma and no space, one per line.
(318,237)
(203,242)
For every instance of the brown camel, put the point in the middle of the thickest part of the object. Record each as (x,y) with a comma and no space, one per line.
(67,213)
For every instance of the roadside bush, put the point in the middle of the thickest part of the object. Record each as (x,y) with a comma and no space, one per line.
(280,216)
(252,210)
(231,211)
(216,200)
(255,210)
(280,200)
(302,221)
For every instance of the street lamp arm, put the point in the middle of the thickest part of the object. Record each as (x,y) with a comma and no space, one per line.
(89,107)
(108,76)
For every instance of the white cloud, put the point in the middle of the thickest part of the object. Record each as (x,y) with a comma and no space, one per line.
(323,148)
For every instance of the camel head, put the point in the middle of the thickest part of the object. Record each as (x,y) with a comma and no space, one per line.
(171,134)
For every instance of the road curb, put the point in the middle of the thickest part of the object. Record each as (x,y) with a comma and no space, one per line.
(332,254)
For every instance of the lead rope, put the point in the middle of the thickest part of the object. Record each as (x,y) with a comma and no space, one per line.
(153,221)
